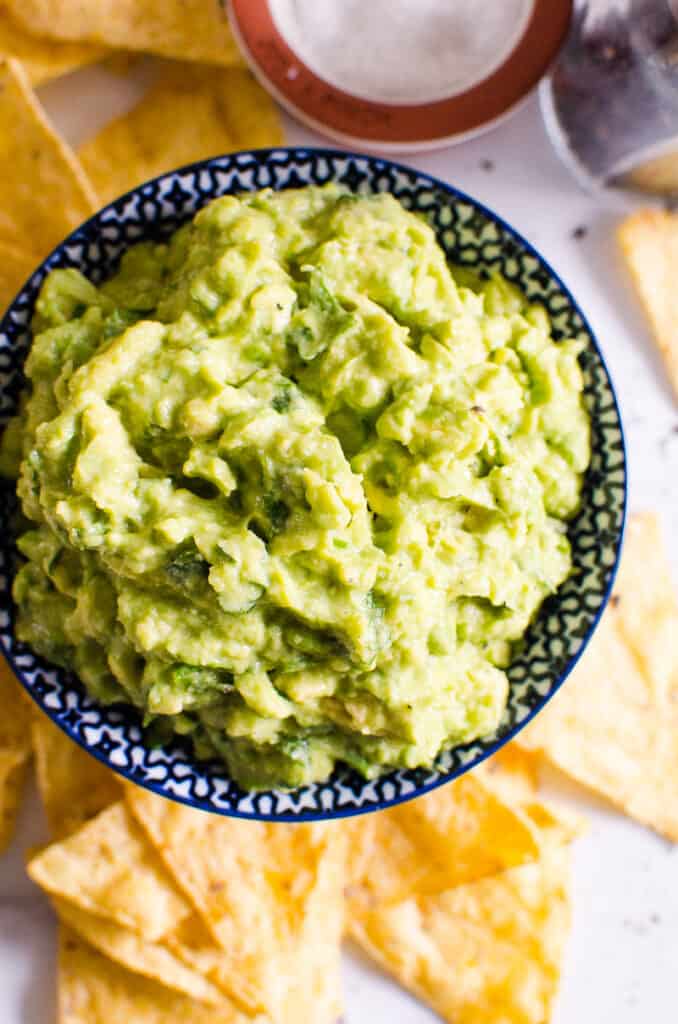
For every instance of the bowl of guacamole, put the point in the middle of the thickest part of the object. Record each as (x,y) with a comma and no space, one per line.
(319,483)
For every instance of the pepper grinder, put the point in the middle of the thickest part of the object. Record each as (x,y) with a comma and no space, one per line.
(610,101)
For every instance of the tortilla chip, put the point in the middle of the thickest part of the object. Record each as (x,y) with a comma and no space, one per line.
(16,266)
(456,834)
(43,59)
(312,970)
(128,949)
(485,953)
(15,722)
(513,773)
(647,618)
(259,888)
(73,785)
(15,750)
(44,192)
(194,30)
(95,990)
(190,113)
(614,725)
(108,868)
(649,241)
(13,774)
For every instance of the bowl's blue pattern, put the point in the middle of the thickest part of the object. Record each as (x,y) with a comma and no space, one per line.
(471,235)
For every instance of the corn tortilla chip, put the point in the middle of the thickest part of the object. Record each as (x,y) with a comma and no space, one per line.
(647,618)
(73,785)
(190,113)
(94,990)
(312,969)
(453,835)
(649,241)
(513,773)
(15,722)
(44,192)
(42,58)
(12,778)
(17,263)
(194,30)
(614,725)
(255,886)
(15,750)
(108,868)
(128,949)
(485,953)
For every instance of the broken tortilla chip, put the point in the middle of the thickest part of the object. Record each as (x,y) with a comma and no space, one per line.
(649,241)
(74,786)
(44,193)
(94,990)
(614,725)
(482,953)
(108,868)
(190,113)
(193,30)
(453,835)
(127,948)
(15,750)
(258,888)
(43,58)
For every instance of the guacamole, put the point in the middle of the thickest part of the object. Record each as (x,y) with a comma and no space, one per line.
(294,487)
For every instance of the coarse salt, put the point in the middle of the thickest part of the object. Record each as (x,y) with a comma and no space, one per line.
(402,51)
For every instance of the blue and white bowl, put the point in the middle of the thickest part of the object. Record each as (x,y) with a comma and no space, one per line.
(470,234)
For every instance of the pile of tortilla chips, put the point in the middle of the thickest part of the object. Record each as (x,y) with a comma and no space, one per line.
(167,913)
(200,102)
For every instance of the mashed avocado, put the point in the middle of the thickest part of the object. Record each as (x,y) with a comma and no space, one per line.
(293,489)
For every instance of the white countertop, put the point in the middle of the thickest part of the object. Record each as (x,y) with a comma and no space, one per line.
(623,955)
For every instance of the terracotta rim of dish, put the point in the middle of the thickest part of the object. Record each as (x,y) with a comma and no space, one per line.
(397,127)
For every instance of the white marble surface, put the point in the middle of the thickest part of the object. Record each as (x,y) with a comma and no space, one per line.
(623,956)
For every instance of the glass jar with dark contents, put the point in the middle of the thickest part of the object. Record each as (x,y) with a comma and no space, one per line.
(611,99)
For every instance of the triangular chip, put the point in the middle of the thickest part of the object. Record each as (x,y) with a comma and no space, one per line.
(42,58)
(257,887)
(44,193)
(73,785)
(152,959)
(453,835)
(95,990)
(649,241)
(195,30)
(191,112)
(485,953)
(614,725)
(15,750)
(108,868)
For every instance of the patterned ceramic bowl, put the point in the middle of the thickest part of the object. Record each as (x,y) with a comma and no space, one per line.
(470,234)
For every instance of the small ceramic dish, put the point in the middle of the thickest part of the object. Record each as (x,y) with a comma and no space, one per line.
(470,234)
(476,88)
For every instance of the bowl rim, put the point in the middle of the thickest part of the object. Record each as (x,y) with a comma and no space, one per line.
(300,153)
